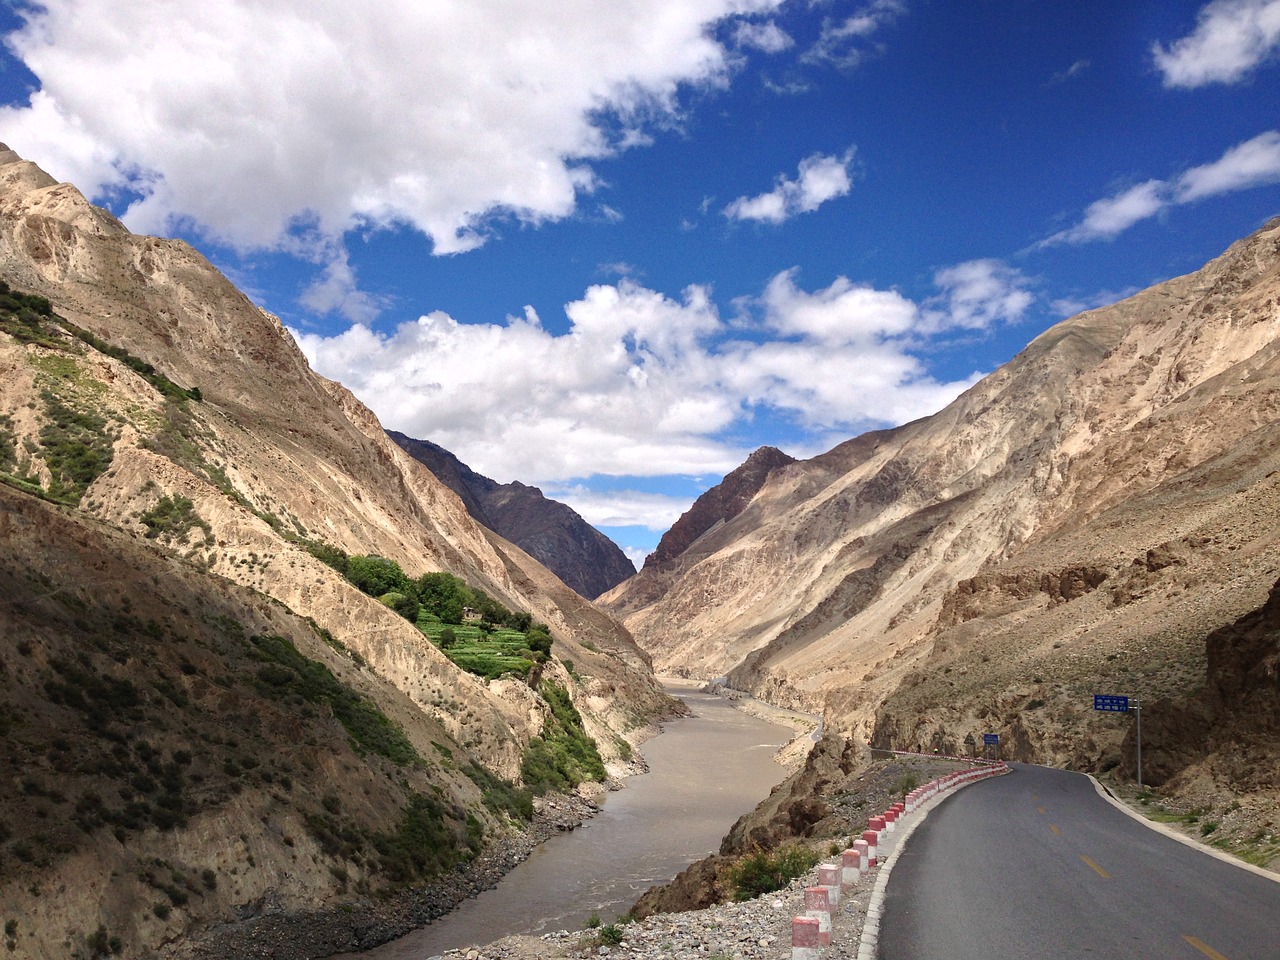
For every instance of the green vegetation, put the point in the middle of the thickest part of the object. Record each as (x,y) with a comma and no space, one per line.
(286,672)
(26,317)
(30,319)
(75,446)
(564,755)
(475,631)
(500,796)
(173,517)
(760,872)
(425,843)
(8,445)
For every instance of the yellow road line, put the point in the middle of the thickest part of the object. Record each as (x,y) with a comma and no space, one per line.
(1203,947)
(1095,867)
(1054,828)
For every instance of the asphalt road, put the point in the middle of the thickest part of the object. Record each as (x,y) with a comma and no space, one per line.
(1036,866)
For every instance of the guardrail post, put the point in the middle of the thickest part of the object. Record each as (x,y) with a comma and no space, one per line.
(817,904)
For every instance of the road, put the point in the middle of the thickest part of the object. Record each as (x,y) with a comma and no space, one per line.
(1036,866)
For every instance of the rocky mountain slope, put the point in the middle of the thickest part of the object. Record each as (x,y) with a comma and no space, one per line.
(1079,521)
(171,468)
(549,531)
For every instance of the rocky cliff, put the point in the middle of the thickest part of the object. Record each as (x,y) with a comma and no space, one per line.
(549,531)
(1079,521)
(168,461)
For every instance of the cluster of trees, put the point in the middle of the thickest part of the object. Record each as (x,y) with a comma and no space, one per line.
(440,594)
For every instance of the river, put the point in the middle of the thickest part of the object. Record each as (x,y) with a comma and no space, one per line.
(704,772)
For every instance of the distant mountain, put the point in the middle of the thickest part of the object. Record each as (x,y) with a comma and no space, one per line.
(200,721)
(549,531)
(1094,516)
(720,504)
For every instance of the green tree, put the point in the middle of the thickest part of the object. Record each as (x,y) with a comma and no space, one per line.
(402,604)
(377,575)
(444,595)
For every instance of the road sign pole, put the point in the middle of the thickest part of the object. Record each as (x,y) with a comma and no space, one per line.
(1137,706)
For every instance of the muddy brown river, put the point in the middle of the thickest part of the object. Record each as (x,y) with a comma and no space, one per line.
(704,772)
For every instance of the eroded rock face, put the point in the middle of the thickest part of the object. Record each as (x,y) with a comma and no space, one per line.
(1232,727)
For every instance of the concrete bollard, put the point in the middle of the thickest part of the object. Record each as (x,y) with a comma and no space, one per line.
(817,904)
(876,824)
(870,837)
(829,876)
(804,938)
(864,857)
(850,869)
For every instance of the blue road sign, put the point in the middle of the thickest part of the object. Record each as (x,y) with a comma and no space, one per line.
(990,738)
(1110,704)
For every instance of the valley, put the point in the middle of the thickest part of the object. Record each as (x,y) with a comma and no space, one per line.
(267,671)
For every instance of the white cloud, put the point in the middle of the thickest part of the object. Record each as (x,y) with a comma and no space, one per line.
(1231,38)
(643,384)
(820,178)
(978,294)
(1077,68)
(336,292)
(1252,163)
(248,119)
(1110,216)
(844,42)
(622,508)
(767,36)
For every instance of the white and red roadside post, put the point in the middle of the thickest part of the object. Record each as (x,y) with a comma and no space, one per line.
(804,939)
(829,876)
(817,904)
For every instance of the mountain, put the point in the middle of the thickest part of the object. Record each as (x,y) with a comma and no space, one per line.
(203,719)
(1082,520)
(549,531)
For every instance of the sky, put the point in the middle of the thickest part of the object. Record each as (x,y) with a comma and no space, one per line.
(610,248)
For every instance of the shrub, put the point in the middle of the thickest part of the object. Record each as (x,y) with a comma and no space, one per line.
(611,935)
(761,872)
(174,517)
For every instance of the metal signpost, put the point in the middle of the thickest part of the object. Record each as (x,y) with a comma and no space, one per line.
(990,745)
(1114,704)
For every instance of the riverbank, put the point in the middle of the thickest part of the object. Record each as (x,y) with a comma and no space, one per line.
(361,923)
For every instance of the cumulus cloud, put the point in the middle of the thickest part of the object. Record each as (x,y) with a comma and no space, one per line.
(250,119)
(979,294)
(643,384)
(1231,38)
(820,178)
(1252,163)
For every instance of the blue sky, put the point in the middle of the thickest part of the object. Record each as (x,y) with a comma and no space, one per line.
(610,248)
